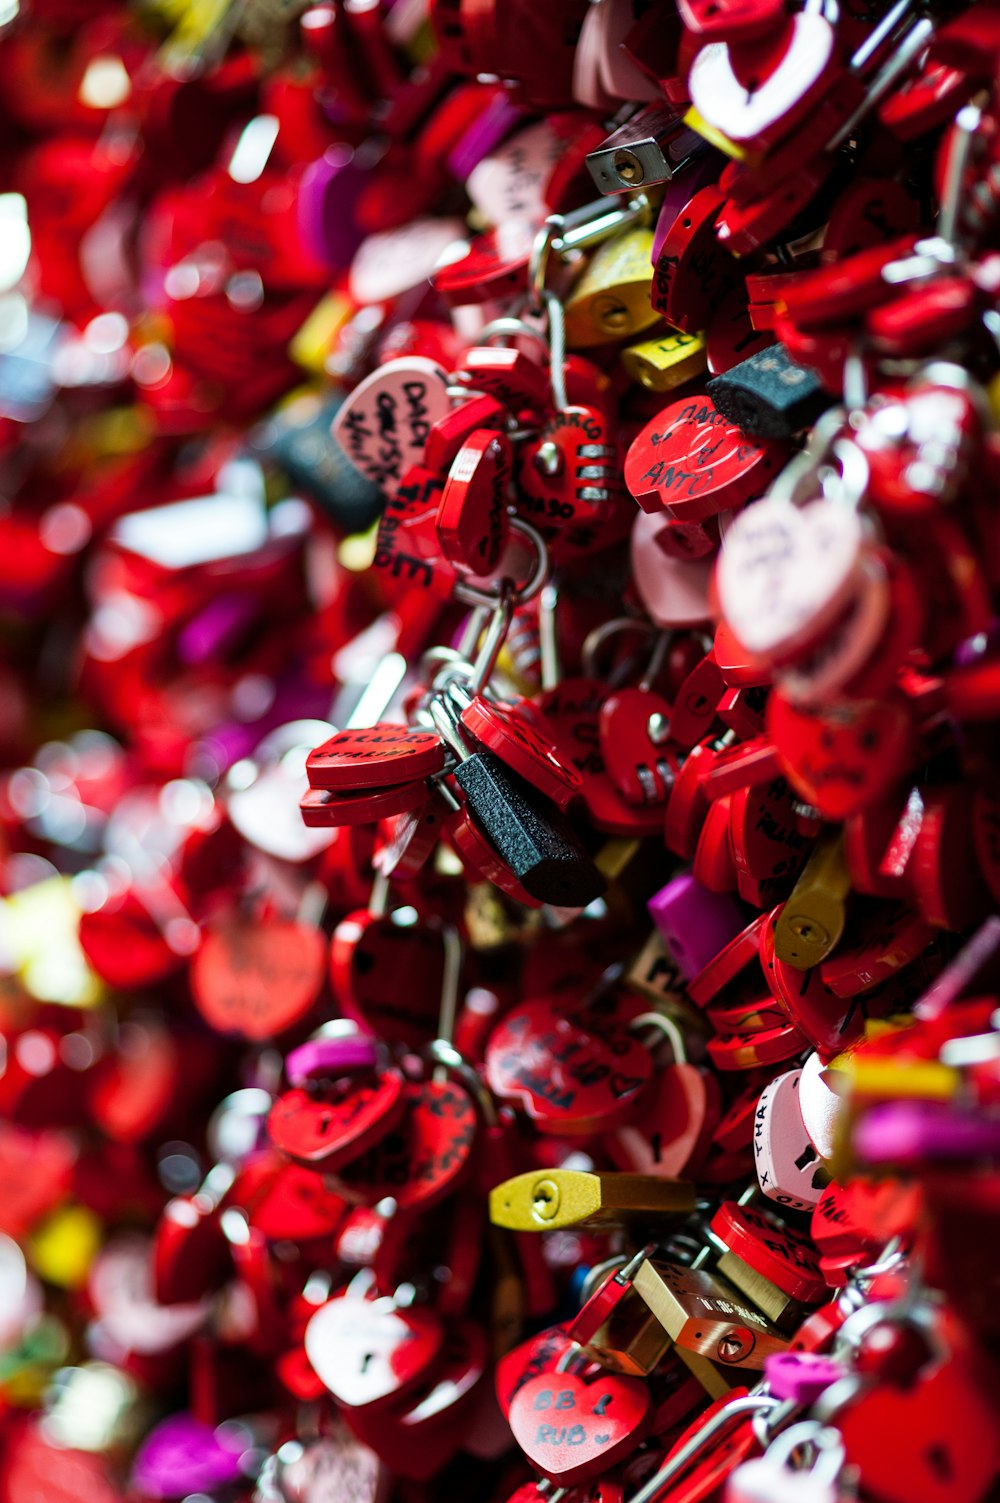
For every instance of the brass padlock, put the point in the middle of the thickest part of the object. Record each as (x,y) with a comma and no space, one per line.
(544,1200)
(610,302)
(709,1320)
(812,921)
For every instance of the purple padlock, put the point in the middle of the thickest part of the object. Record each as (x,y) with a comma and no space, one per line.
(680,190)
(328,196)
(695,923)
(484,135)
(330,1055)
(801,1376)
(914,1132)
(216,628)
(181,1456)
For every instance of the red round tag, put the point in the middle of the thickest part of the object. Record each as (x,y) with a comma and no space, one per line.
(693,462)
(257,978)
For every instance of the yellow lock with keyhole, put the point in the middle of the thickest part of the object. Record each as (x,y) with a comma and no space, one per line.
(545,1200)
(812,921)
(666,361)
(610,302)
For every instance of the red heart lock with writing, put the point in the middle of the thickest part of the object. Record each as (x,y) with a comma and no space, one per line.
(571,1070)
(334,1126)
(529,1359)
(846,757)
(257,978)
(571,1430)
(423,1158)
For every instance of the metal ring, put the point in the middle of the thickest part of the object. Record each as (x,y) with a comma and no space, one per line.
(470,594)
(538,261)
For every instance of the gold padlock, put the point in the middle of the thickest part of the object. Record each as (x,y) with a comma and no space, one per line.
(667,360)
(610,302)
(544,1200)
(812,921)
(785,1313)
(708,1320)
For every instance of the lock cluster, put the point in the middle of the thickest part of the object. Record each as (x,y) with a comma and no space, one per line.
(499,812)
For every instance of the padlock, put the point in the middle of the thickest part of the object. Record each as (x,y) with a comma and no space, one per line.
(771,1478)
(616,1328)
(666,360)
(609,302)
(789,1170)
(769,395)
(771,1264)
(534,841)
(650,148)
(670,1133)
(571,1430)
(692,462)
(707,1319)
(812,920)
(547,1200)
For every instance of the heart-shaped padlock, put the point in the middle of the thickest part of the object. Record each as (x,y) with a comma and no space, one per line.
(330,1127)
(370,1352)
(570,1430)
(422,1159)
(572,1070)
(257,978)
(846,757)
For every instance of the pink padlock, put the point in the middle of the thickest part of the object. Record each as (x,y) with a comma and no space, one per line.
(674,591)
(801,1376)
(331,1054)
(789,1169)
(695,923)
(384,423)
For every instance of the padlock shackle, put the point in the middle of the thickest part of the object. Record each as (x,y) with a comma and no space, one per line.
(750,1404)
(470,594)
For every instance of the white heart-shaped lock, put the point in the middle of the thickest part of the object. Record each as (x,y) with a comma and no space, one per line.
(786,571)
(789,1169)
(383,424)
(367,1351)
(744,114)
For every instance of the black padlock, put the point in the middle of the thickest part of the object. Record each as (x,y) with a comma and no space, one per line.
(297,438)
(770,395)
(529,833)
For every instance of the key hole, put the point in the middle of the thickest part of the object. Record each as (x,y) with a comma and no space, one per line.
(602,1404)
(807,1156)
(940,1462)
(656,1143)
(324,1122)
(368,1357)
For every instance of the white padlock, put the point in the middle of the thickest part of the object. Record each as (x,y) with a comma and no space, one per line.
(772,1479)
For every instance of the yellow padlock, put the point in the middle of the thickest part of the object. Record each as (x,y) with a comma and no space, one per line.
(544,1200)
(63,1247)
(812,921)
(312,343)
(666,361)
(714,136)
(610,302)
